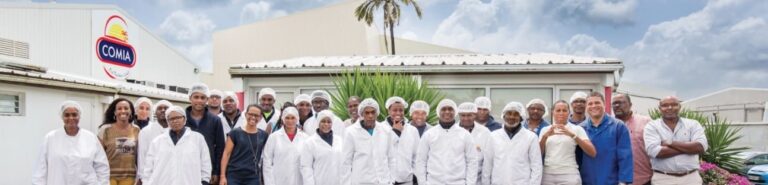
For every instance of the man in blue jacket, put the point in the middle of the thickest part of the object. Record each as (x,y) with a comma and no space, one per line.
(613,162)
(207,124)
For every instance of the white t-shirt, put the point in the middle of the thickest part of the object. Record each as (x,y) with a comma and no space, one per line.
(560,155)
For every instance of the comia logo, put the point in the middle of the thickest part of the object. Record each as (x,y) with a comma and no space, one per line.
(113,49)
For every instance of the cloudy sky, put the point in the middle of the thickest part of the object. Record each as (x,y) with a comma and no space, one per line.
(693,47)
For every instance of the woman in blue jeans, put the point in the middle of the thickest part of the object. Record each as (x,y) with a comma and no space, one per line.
(240,163)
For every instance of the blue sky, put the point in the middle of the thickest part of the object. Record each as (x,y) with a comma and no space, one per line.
(692,47)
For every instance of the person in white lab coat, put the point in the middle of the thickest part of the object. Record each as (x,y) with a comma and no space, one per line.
(419,112)
(320,102)
(406,140)
(283,151)
(231,117)
(303,103)
(71,155)
(321,159)
(271,114)
(447,154)
(480,133)
(369,153)
(150,132)
(513,155)
(179,155)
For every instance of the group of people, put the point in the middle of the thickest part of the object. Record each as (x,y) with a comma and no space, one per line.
(213,142)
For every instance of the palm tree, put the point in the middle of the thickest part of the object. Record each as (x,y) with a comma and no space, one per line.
(391,14)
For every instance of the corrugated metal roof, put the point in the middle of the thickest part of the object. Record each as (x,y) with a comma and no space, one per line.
(72,81)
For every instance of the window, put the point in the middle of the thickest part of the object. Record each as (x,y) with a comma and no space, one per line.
(11,103)
(501,96)
(283,97)
(460,95)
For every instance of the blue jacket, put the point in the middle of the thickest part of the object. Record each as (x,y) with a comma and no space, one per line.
(213,132)
(613,162)
(492,124)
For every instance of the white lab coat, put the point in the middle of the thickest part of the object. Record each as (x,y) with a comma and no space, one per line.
(311,125)
(263,122)
(481,135)
(281,158)
(225,126)
(368,158)
(405,152)
(513,161)
(65,159)
(447,156)
(186,162)
(320,162)
(146,135)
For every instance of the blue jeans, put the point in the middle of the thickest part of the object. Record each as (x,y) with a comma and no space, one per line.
(242,181)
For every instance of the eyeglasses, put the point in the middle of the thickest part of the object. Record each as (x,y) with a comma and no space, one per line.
(176,118)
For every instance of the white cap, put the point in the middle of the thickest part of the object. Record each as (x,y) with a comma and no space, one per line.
(162,102)
(325,114)
(70,104)
(302,98)
(321,94)
(289,111)
(419,106)
(446,103)
(467,107)
(514,106)
(578,95)
(230,94)
(142,100)
(539,101)
(217,92)
(266,91)
(483,102)
(395,99)
(199,88)
(368,102)
(175,109)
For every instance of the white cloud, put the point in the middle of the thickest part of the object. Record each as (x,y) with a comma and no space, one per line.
(261,10)
(585,45)
(190,33)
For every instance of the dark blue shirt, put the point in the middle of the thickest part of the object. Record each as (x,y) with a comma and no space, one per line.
(242,160)
(213,132)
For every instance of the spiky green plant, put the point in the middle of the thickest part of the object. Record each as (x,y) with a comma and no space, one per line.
(720,136)
(367,83)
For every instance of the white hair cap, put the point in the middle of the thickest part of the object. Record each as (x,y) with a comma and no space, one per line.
(162,102)
(514,106)
(176,109)
(368,102)
(325,114)
(143,100)
(419,106)
(483,102)
(289,111)
(230,94)
(539,101)
(70,104)
(266,91)
(467,107)
(199,88)
(395,99)
(321,94)
(302,98)
(446,103)
(217,92)
(578,95)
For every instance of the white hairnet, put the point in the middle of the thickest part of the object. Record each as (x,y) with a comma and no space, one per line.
(230,94)
(199,88)
(395,99)
(483,102)
(266,91)
(70,104)
(142,100)
(321,94)
(302,98)
(467,107)
(325,114)
(368,102)
(217,92)
(419,106)
(162,102)
(289,111)
(446,103)
(539,101)
(176,109)
(514,106)
(578,95)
